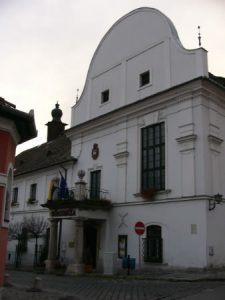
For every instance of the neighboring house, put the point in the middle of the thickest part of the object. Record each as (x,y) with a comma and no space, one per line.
(34,169)
(16,127)
(148,134)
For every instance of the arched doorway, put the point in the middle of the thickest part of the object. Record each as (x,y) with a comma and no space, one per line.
(153,244)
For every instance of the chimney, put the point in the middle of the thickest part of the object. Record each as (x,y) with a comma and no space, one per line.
(56,126)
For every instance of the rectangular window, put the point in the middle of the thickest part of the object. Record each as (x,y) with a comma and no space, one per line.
(15,195)
(153,244)
(105,96)
(122,246)
(33,191)
(95,184)
(144,78)
(153,157)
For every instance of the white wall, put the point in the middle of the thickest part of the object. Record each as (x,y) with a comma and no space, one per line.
(215,240)
(143,40)
(181,247)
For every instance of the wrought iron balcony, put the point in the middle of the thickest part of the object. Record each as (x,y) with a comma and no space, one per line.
(79,197)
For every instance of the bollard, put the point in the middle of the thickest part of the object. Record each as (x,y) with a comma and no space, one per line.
(128,265)
(6,281)
(36,285)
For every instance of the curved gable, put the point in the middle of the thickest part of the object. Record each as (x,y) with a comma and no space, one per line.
(143,41)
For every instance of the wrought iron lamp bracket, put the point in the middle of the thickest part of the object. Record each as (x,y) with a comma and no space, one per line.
(216,199)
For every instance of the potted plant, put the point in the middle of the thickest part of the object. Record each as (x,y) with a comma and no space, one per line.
(149,193)
(31,201)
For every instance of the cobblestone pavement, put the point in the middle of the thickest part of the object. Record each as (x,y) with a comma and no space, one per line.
(99,288)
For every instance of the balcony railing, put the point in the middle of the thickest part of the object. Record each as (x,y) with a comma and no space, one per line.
(79,197)
(91,194)
(80,194)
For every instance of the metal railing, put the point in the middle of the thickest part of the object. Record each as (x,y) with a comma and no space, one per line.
(80,193)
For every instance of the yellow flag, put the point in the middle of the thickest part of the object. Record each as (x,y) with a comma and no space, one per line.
(50,190)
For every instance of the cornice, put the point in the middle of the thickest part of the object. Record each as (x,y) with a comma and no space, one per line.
(158,101)
(215,143)
(214,139)
(187,138)
(189,90)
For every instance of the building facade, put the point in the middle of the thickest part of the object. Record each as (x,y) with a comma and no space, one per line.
(15,127)
(147,134)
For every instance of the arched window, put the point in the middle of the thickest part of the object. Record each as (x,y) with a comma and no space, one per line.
(153,244)
(8,196)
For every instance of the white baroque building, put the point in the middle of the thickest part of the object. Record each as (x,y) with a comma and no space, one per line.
(148,132)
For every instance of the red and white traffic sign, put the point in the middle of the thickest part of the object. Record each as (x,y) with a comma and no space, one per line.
(139,228)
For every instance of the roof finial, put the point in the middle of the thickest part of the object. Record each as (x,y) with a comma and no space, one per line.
(199,36)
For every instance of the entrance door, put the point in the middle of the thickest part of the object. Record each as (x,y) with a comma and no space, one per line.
(90,246)
(153,244)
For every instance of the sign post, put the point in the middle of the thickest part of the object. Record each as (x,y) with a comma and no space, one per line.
(139,229)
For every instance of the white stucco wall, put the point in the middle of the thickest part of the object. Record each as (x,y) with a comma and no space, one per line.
(142,40)
(181,247)
(215,234)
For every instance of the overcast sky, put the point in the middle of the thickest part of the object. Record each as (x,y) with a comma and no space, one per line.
(47,45)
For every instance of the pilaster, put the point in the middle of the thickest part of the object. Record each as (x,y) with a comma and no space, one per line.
(50,263)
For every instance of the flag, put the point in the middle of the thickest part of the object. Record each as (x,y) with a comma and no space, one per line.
(50,190)
(63,190)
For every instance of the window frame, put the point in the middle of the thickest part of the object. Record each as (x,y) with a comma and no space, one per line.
(122,238)
(153,244)
(142,82)
(95,184)
(104,94)
(8,197)
(153,168)
(33,195)
(15,195)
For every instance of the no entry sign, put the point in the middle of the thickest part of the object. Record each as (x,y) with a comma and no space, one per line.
(139,228)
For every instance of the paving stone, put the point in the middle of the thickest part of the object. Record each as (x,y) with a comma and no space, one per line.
(100,288)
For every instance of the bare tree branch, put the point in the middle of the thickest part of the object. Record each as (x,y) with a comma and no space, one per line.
(36,226)
(16,230)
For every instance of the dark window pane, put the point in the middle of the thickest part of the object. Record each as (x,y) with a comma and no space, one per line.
(153,157)
(33,189)
(163,156)
(151,179)
(144,161)
(157,135)
(105,96)
(150,136)
(144,138)
(162,133)
(144,78)
(144,180)
(95,184)
(157,179)
(15,195)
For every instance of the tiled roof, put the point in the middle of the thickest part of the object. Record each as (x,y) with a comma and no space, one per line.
(24,122)
(218,79)
(46,155)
